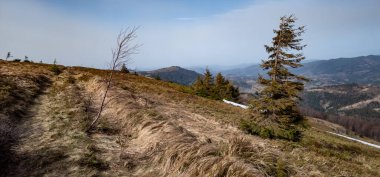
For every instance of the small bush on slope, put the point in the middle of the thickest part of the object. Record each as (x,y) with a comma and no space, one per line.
(55,69)
(270,132)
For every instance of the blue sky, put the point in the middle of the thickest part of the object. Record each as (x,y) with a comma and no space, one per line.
(183,32)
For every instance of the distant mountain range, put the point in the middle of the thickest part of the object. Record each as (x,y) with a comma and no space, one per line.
(216,68)
(361,70)
(173,74)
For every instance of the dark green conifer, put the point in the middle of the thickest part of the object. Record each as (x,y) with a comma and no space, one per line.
(277,103)
(199,87)
(124,68)
(208,81)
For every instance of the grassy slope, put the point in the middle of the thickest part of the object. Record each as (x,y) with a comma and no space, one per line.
(153,127)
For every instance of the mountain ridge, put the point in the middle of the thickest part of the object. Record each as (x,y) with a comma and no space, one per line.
(175,74)
(361,70)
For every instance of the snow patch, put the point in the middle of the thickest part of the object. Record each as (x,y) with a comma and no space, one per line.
(236,104)
(357,140)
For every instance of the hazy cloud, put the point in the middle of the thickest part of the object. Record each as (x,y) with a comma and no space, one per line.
(334,29)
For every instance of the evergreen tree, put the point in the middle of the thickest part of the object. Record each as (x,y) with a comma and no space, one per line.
(8,55)
(208,81)
(124,68)
(220,81)
(277,103)
(26,59)
(157,77)
(199,88)
(218,88)
(232,93)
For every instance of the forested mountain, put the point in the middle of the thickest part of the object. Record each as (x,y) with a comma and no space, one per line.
(357,107)
(174,74)
(361,70)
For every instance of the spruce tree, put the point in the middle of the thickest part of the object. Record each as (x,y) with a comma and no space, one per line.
(8,55)
(220,86)
(277,103)
(220,81)
(124,68)
(208,80)
(198,87)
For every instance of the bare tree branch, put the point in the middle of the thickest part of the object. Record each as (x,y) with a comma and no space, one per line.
(121,54)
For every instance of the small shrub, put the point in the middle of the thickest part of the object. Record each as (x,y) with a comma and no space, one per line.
(55,69)
(26,61)
(16,60)
(250,127)
(273,132)
(266,133)
(84,78)
(281,168)
(124,69)
(157,77)
(290,134)
(71,80)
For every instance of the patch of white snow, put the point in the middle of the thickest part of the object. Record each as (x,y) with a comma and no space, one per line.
(357,140)
(236,104)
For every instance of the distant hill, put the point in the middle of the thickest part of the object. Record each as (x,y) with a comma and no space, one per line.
(214,69)
(361,70)
(173,74)
(248,71)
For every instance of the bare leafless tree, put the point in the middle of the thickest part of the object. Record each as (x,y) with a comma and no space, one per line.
(120,55)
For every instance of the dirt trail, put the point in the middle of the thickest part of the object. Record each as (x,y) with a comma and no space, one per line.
(21,106)
(29,130)
(52,141)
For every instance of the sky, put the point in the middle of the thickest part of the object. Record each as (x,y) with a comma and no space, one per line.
(183,32)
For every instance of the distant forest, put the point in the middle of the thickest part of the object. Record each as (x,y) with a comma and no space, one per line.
(334,103)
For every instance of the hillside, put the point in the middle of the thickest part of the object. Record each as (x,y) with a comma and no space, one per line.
(150,128)
(357,107)
(173,74)
(349,99)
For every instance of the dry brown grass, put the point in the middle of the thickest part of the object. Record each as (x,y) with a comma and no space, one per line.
(155,128)
(185,136)
(19,86)
(54,142)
